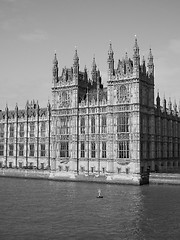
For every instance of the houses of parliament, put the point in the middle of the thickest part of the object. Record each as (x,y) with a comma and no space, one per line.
(114,131)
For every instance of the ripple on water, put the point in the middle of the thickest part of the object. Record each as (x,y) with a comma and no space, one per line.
(32,209)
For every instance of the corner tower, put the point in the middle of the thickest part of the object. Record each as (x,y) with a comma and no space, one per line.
(67,90)
(125,86)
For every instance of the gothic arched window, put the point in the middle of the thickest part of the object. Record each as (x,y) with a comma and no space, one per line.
(21,130)
(122,93)
(82,124)
(93,124)
(11,129)
(122,122)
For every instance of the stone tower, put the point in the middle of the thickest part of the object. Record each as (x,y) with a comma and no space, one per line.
(124,115)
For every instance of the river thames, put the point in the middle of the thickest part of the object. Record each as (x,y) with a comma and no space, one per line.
(37,209)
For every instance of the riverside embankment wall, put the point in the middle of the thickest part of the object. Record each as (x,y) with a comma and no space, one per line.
(67,176)
(154,178)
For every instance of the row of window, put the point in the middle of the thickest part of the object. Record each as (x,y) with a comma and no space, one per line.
(63,126)
(122,149)
(161,150)
(21,150)
(163,127)
(122,124)
(22,130)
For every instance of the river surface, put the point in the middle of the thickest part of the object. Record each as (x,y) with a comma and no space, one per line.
(37,209)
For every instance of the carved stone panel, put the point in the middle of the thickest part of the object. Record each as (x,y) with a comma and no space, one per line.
(122,94)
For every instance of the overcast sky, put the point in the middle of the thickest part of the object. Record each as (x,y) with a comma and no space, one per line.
(31,30)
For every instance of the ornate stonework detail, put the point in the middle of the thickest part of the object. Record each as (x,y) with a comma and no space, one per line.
(123,162)
(122,94)
(64,99)
(123,136)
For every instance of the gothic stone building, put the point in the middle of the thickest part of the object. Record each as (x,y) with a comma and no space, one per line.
(94,130)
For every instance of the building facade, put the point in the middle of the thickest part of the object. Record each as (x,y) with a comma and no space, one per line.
(90,129)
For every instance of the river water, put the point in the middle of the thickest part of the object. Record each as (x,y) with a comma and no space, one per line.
(37,209)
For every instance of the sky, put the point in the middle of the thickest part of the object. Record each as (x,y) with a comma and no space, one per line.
(31,31)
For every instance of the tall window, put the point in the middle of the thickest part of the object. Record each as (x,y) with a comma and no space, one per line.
(11,148)
(21,149)
(122,122)
(93,150)
(103,130)
(64,125)
(43,150)
(11,129)
(32,127)
(21,130)
(123,149)
(43,129)
(82,124)
(103,149)
(82,149)
(1,130)
(64,149)
(31,147)
(1,150)
(93,124)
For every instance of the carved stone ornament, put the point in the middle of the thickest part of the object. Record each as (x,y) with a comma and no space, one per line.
(64,99)
(123,162)
(122,94)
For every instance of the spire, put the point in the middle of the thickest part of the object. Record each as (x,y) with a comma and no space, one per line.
(76,64)
(16,108)
(55,69)
(6,108)
(164,104)
(76,58)
(136,57)
(55,61)
(110,51)
(150,56)
(126,57)
(110,61)
(143,65)
(158,100)
(94,63)
(150,64)
(136,47)
(175,107)
(170,105)
(94,72)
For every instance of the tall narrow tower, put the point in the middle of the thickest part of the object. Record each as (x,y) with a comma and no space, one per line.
(136,58)
(110,62)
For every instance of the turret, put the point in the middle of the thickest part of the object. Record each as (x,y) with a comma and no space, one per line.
(136,57)
(76,63)
(27,108)
(6,111)
(169,106)
(94,71)
(55,69)
(143,67)
(175,107)
(16,110)
(158,100)
(164,104)
(110,61)
(150,64)
(85,74)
